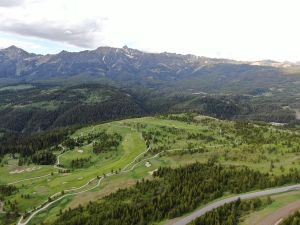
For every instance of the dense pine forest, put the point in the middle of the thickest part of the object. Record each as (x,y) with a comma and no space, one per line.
(27,145)
(7,190)
(199,126)
(34,107)
(106,142)
(47,106)
(160,153)
(172,193)
(36,148)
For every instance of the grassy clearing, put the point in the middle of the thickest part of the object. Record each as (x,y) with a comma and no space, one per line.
(109,185)
(279,201)
(16,87)
(261,147)
(41,189)
(14,173)
(51,213)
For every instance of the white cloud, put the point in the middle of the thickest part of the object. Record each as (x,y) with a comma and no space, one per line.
(248,29)
(81,34)
(10,3)
(4,43)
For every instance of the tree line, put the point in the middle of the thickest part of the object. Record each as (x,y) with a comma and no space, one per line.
(172,193)
(231,213)
(106,142)
(293,219)
(27,145)
(7,190)
(80,162)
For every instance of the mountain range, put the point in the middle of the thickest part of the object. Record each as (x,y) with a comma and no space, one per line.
(39,92)
(120,64)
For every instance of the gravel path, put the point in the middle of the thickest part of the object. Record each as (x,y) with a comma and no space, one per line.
(41,208)
(187,219)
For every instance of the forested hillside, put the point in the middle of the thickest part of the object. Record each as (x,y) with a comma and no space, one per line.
(232,213)
(36,107)
(43,92)
(28,108)
(173,193)
(166,165)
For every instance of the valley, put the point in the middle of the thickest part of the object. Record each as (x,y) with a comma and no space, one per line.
(149,112)
(42,92)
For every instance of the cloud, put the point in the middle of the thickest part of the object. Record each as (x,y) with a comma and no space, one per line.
(199,27)
(4,43)
(85,34)
(10,3)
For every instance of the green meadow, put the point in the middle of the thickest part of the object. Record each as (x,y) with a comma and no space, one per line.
(174,140)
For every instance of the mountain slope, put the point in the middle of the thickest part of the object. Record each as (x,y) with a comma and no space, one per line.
(40,107)
(140,83)
(114,63)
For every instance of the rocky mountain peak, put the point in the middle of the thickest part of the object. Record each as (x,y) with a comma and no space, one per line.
(15,52)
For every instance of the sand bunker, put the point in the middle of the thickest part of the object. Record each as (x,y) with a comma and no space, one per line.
(151,172)
(24,170)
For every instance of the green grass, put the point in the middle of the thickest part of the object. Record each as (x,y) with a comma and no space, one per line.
(279,201)
(109,185)
(16,87)
(220,139)
(51,213)
(11,171)
(40,189)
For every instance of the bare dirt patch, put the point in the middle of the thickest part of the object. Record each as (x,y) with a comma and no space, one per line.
(84,198)
(202,117)
(151,172)
(148,164)
(297,111)
(276,216)
(24,170)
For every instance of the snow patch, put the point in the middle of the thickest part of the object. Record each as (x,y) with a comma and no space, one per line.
(129,56)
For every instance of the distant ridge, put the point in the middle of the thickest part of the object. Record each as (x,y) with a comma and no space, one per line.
(115,63)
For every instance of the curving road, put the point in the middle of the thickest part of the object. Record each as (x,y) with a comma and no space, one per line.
(43,207)
(187,219)
(54,201)
(179,221)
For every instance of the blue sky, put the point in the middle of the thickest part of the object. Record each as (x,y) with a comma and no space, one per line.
(237,29)
(36,45)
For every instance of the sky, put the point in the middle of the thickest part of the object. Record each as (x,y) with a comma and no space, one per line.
(235,29)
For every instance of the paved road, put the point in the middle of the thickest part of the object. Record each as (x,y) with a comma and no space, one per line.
(202,211)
